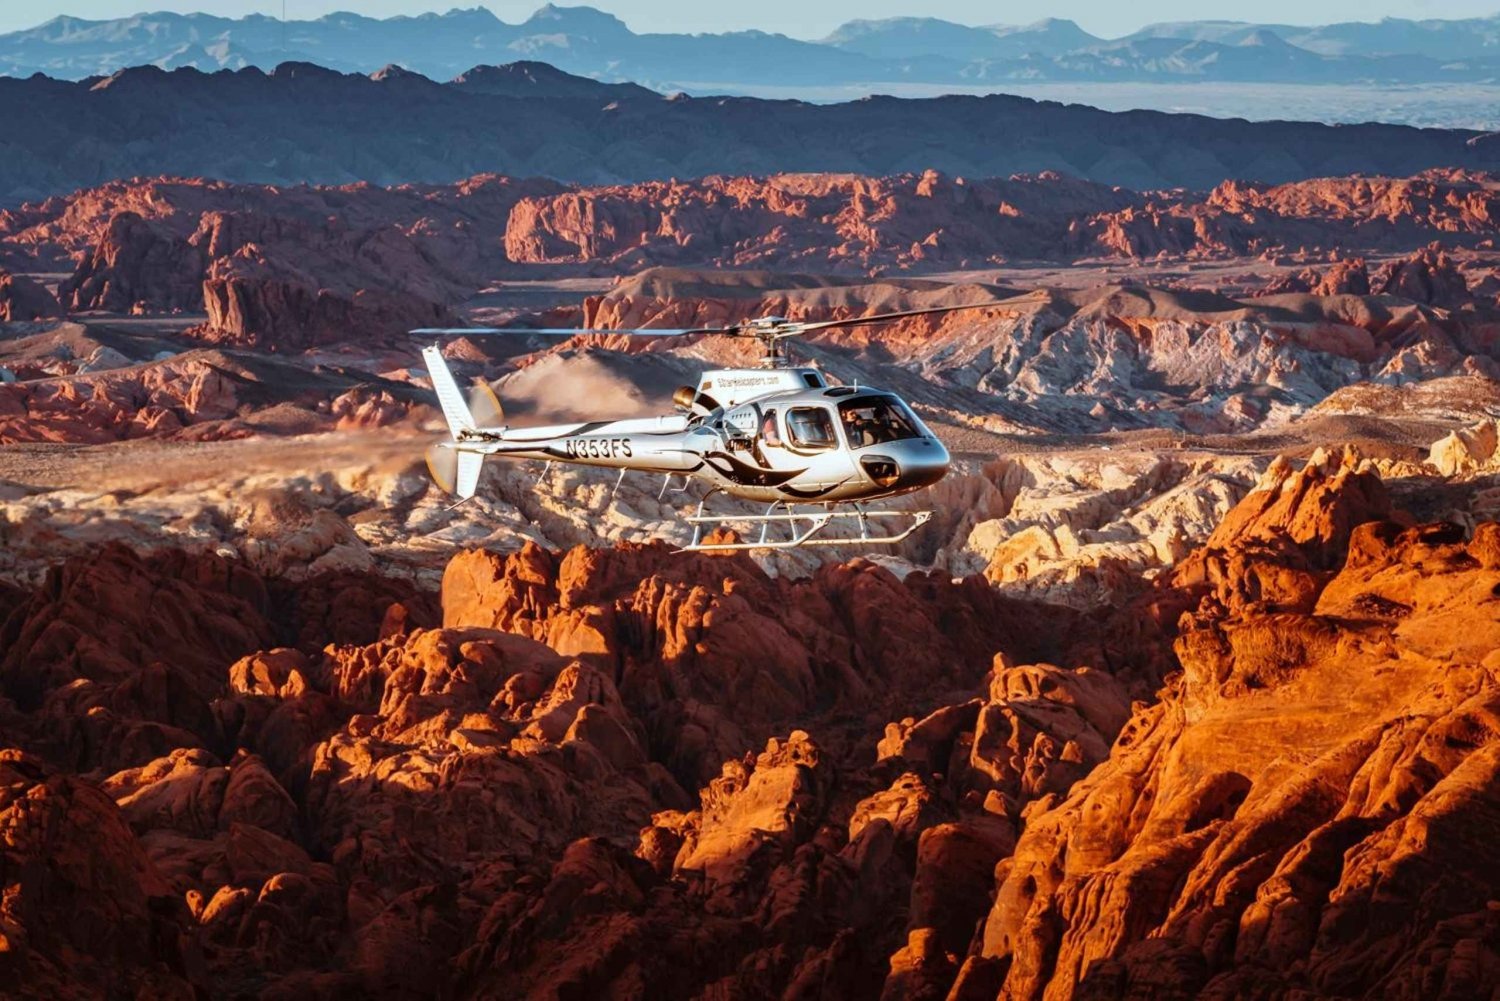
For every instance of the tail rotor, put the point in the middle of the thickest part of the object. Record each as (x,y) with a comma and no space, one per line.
(484,406)
(454,468)
(442,466)
(455,464)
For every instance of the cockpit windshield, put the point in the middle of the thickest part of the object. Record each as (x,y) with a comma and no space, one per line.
(877,420)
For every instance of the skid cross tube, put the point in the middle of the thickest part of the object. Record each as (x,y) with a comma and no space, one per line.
(811,535)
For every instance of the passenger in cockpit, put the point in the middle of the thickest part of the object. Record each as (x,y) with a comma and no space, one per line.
(768,433)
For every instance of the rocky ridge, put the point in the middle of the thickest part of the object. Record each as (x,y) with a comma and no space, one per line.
(1345,867)
(284,268)
(304,124)
(1085,360)
(295,268)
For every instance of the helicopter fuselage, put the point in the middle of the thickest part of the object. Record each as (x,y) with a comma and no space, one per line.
(800,442)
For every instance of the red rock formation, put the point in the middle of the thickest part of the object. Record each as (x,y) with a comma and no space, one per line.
(83,906)
(816,222)
(290,798)
(88,653)
(1244,219)
(278,267)
(1427,276)
(160,400)
(137,262)
(1345,278)
(23,299)
(1296,814)
(293,268)
(254,300)
(717,653)
(199,395)
(637,772)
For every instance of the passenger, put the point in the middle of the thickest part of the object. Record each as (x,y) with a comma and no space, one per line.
(768,432)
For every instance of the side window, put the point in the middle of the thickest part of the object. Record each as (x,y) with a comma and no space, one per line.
(810,428)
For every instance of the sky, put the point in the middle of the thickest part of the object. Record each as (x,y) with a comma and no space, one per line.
(799,18)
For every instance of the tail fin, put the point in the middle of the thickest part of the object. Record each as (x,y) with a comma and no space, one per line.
(452,401)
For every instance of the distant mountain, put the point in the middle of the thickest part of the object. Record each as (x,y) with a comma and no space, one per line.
(307,123)
(899,38)
(905,51)
(1475,37)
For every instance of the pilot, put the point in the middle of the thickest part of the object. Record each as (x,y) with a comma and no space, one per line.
(862,428)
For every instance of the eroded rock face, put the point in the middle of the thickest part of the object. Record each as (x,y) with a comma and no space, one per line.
(1428,276)
(631,772)
(280,268)
(137,261)
(1249,218)
(157,401)
(119,658)
(812,221)
(929,219)
(292,268)
(688,640)
(83,906)
(1197,862)
(284,797)
(24,299)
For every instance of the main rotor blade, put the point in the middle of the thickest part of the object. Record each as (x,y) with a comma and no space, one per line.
(855,321)
(566,331)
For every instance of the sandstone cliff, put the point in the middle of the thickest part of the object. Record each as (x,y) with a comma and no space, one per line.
(1303,810)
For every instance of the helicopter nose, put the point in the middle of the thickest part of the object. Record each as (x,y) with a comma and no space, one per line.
(907,465)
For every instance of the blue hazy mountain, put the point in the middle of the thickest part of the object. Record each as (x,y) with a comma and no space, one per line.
(905,50)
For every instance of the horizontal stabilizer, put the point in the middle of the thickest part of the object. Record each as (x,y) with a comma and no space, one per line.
(469,465)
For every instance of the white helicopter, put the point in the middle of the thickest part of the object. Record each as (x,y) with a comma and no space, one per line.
(772,434)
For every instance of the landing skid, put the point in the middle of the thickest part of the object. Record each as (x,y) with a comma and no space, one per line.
(805,528)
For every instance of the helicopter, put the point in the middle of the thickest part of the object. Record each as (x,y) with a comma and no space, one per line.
(816,454)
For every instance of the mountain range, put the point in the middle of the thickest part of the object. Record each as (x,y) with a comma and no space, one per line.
(905,51)
(306,123)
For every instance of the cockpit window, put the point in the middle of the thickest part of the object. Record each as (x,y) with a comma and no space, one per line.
(810,427)
(877,420)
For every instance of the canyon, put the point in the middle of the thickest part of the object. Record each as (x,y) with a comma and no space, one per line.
(1187,690)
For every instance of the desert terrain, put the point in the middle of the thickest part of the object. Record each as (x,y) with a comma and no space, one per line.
(1188,689)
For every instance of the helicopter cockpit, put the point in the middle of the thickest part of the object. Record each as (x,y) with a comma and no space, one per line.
(876,420)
